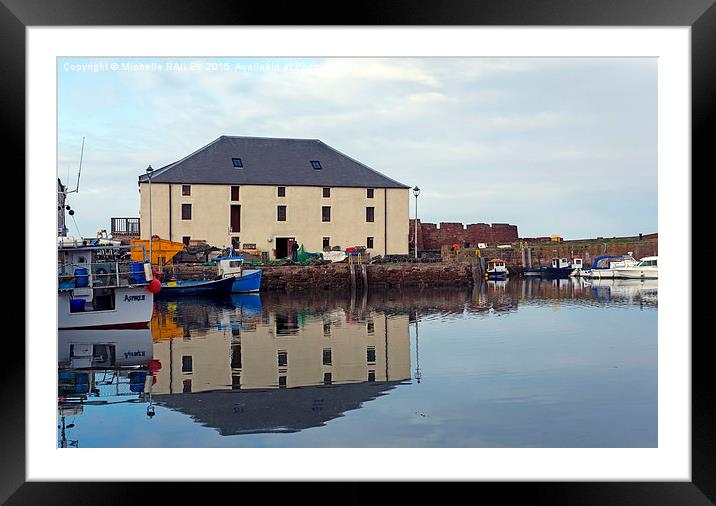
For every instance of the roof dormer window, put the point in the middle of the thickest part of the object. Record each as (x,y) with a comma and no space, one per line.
(316,164)
(237,163)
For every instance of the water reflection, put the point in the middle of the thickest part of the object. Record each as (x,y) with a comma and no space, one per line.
(283,363)
(102,367)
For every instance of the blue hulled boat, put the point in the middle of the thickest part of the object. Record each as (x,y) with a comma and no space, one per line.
(201,287)
(245,280)
(560,268)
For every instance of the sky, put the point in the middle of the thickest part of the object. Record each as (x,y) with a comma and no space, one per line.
(564,146)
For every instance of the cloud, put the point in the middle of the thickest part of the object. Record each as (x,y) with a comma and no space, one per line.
(502,135)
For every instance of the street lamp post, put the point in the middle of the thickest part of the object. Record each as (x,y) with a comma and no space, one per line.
(416,192)
(149,175)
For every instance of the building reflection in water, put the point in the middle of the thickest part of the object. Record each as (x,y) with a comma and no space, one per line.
(282,363)
(267,368)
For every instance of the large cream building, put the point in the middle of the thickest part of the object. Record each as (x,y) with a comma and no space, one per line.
(261,193)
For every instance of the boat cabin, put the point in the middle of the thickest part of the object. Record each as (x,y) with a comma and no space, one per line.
(496,265)
(648,262)
(92,270)
(577,263)
(229,266)
(560,263)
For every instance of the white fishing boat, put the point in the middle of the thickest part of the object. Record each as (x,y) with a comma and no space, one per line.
(100,286)
(578,265)
(646,268)
(100,282)
(497,269)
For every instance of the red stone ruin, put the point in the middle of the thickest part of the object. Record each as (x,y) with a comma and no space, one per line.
(432,237)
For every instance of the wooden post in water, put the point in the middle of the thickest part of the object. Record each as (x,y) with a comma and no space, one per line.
(351,266)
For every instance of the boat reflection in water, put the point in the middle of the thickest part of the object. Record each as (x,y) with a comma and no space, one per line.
(102,367)
(508,363)
(641,291)
(251,370)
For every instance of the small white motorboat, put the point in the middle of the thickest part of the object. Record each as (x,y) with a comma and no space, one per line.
(497,269)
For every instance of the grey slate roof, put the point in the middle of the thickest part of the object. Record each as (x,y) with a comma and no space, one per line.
(269,161)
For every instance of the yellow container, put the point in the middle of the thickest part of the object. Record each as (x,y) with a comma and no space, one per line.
(163,250)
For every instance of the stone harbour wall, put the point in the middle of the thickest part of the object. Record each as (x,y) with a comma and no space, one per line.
(337,276)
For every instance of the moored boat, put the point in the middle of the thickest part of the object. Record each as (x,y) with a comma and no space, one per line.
(100,286)
(496,269)
(646,268)
(200,287)
(577,267)
(605,267)
(245,280)
(560,268)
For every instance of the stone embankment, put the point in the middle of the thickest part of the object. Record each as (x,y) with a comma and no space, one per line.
(337,276)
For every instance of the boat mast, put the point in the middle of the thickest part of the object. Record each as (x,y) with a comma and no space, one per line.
(62,193)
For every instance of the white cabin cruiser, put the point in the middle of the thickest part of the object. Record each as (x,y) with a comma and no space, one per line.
(100,286)
(646,268)
(607,268)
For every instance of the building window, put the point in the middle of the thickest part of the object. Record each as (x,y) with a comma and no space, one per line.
(281,213)
(236,382)
(237,162)
(186,363)
(326,192)
(369,242)
(326,242)
(235,243)
(371,375)
(282,358)
(370,355)
(234,193)
(282,381)
(327,329)
(186,387)
(186,190)
(235,218)
(186,211)
(326,213)
(327,378)
(370,214)
(327,358)
(370,326)
(369,193)
(281,191)
(316,164)
(185,239)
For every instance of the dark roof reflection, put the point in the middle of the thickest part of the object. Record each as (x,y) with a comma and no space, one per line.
(233,412)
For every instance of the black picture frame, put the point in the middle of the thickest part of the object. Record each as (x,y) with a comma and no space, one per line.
(700,15)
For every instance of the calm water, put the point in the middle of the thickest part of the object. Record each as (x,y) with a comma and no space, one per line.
(532,363)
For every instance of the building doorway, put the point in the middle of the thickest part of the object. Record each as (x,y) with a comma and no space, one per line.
(283,246)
